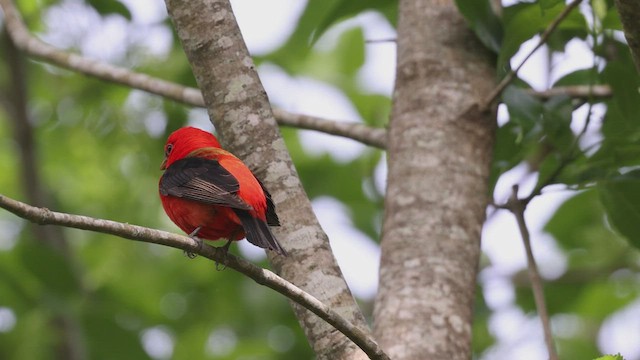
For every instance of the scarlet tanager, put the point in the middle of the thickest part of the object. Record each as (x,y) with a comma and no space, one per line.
(211,194)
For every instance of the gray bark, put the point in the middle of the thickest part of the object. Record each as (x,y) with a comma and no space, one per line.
(629,12)
(439,152)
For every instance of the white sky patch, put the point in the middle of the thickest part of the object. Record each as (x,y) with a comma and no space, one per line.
(620,333)
(378,72)
(158,342)
(199,118)
(146,12)
(222,342)
(357,255)
(9,231)
(520,336)
(577,55)
(502,242)
(380,174)
(264,33)
(312,97)
(535,69)
(592,138)
(497,290)
(7,319)
(249,251)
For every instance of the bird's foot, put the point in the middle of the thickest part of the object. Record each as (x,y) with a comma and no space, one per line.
(193,235)
(224,251)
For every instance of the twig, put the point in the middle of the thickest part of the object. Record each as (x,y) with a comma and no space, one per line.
(264,277)
(379,41)
(169,90)
(576,91)
(517,207)
(486,104)
(370,136)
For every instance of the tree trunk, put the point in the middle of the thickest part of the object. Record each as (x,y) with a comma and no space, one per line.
(439,152)
(241,112)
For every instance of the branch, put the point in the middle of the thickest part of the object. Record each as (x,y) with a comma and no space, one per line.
(169,90)
(517,207)
(44,216)
(486,104)
(584,92)
(367,135)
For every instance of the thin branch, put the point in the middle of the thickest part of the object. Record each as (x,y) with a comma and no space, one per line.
(517,207)
(379,41)
(169,90)
(486,104)
(370,136)
(577,91)
(44,216)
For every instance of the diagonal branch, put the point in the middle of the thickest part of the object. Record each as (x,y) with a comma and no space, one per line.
(176,92)
(486,104)
(44,216)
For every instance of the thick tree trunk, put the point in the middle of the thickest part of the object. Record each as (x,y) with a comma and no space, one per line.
(240,109)
(629,12)
(439,151)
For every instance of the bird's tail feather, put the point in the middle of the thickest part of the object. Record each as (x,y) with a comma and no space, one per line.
(258,232)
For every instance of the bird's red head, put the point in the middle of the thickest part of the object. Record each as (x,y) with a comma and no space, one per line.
(184,141)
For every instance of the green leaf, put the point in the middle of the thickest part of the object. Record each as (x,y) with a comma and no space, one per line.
(625,85)
(107,7)
(599,8)
(556,122)
(610,357)
(484,22)
(621,199)
(548,4)
(346,9)
(523,108)
(612,20)
(350,51)
(578,77)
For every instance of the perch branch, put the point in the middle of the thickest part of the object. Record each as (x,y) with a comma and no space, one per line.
(44,216)
(36,48)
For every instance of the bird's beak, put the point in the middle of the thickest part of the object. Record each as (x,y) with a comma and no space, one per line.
(163,166)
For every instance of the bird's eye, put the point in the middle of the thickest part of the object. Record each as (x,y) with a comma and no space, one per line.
(167,151)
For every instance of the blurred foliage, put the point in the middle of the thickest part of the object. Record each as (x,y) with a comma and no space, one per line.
(99,148)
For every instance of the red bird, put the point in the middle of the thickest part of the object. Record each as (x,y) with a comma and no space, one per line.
(210,193)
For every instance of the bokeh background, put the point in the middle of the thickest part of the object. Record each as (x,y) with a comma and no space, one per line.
(97,148)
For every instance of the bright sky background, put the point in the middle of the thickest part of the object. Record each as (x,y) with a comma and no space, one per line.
(265,26)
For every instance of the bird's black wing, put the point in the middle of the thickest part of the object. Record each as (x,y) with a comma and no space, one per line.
(272,217)
(202,180)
